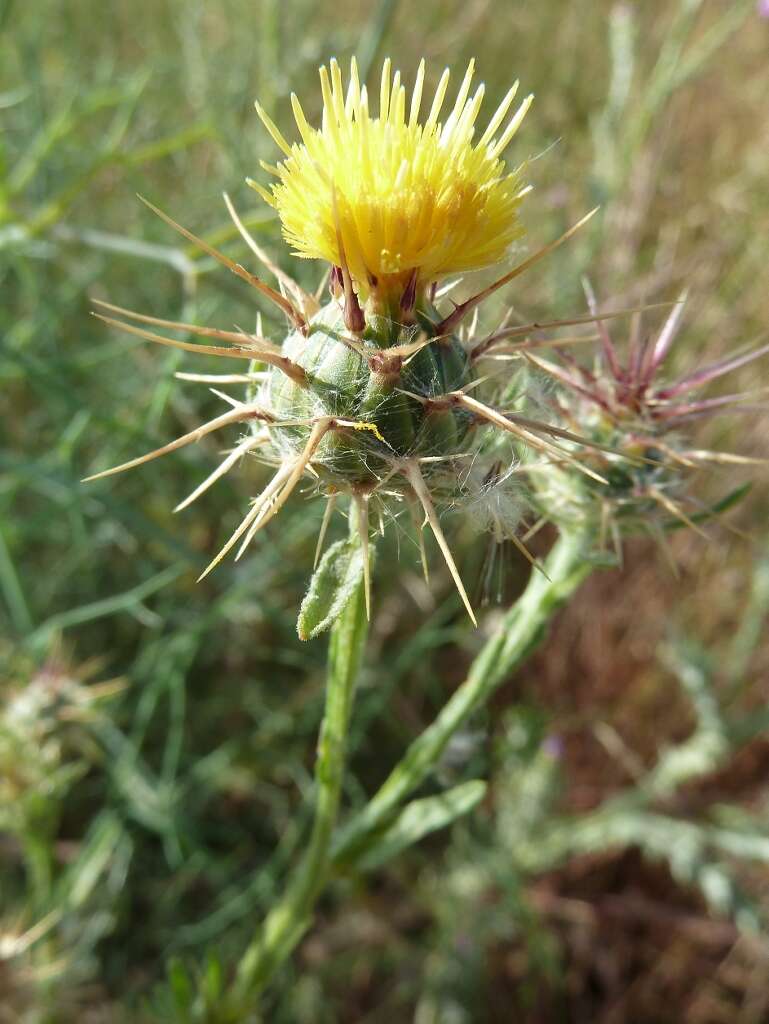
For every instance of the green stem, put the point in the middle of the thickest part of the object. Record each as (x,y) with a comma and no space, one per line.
(289,919)
(520,631)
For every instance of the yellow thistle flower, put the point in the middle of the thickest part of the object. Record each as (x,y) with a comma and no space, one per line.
(389,197)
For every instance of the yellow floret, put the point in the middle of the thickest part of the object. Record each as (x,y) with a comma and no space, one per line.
(389,195)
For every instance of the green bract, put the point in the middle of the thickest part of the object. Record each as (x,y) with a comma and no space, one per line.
(379,384)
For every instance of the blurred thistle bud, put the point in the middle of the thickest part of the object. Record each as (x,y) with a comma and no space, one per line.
(639,423)
(44,745)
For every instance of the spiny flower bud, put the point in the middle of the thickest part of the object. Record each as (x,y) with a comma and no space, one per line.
(630,410)
(42,736)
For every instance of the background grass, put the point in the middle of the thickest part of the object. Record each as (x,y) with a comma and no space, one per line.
(153,825)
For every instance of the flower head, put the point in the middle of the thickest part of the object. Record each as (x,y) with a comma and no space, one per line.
(393,198)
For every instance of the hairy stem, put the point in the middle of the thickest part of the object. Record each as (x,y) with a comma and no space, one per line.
(518,633)
(290,918)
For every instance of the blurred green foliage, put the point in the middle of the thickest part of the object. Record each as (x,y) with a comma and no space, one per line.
(146,827)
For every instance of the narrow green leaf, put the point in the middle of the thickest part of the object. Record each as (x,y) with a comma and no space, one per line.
(727,502)
(421,817)
(94,860)
(213,979)
(180,985)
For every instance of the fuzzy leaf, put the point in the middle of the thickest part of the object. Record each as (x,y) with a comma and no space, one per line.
(421,817)
(332,585)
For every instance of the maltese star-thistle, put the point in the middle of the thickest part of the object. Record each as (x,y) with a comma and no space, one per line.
(369,396)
